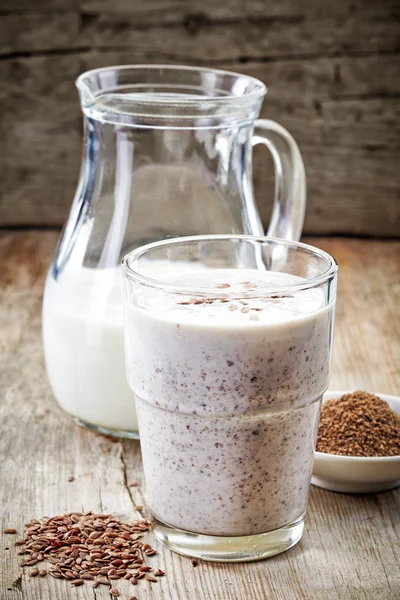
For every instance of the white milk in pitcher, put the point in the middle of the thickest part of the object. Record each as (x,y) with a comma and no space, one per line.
(84,345)
(84,348)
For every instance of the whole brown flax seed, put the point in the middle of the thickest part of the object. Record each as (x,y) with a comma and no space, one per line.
(85,547)
(159,573)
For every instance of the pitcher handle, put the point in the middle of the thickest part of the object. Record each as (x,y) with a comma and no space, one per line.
(290,180)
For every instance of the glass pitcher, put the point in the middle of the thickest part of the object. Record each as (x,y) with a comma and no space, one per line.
(167,152)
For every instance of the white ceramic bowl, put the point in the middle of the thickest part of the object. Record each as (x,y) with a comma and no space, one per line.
(357,474)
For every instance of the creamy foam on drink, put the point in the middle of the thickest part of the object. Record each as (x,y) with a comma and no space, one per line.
(228,395)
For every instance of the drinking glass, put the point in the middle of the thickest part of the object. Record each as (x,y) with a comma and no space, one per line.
(228,354)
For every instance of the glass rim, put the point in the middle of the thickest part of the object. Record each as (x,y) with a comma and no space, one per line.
(173,288)
(259,91)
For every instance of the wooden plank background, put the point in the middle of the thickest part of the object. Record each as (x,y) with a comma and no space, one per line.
(333,71)
(350,549)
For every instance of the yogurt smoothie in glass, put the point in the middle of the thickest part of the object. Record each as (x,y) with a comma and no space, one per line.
(228,365)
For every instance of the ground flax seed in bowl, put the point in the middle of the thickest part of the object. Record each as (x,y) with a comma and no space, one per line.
(359,424)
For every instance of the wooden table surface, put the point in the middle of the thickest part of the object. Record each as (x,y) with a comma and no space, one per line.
(351,545)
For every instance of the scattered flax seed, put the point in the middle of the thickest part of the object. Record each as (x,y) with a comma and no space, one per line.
(133,484)
(10,530)
(193,562)
(245,309)
(233,307)
(223,286)
(159,573)
(30,563)
(114,592)
(71,478)
(139,507)
(87,547)
(132,598)
(359,424)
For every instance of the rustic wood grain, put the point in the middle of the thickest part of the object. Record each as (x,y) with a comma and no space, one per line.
(350,549)
(292,28)
(332,71)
